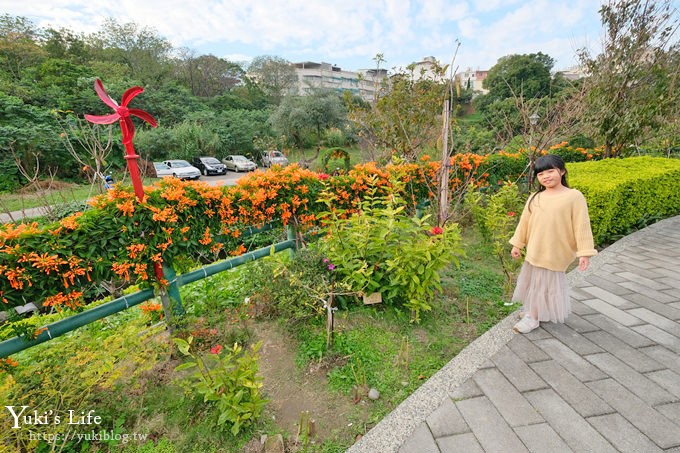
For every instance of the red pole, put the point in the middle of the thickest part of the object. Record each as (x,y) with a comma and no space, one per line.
(131,157)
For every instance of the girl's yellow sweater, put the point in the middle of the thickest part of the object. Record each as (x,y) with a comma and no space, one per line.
(555,230)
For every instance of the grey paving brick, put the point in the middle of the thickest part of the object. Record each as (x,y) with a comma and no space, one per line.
(605,283)
(645,281)
(581,309)
(636,287)
(624,436)
(421,441)
(637,262)
(654,425)
(664,356)
(579,367)
(612,312)
(579,324)
(667,272)
(673,282)
(516,371)
(665,309)
(489,427)
(569,425)
(446,420)
(467,389)
(674,293)
(660,336)
(671,411)
(537,334)
(542,438)
(573,391)
(574,340)
(460,443)
(603,294)
(638,360)
(508,401)
(667,379)
(526,350)
(630,269)
(655,319)
(623,333)
(637,383)
(487,364)
(612,268)
(675,305)
(579,294)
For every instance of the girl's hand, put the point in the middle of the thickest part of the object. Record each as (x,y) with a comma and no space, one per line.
(583,263)
(515,252)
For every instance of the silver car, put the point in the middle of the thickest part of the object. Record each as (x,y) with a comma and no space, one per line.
(182,169)
(239,163)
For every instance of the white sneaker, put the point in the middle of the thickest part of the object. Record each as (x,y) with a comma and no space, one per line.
(526,325)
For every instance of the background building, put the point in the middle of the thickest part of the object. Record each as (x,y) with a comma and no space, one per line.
(363,83)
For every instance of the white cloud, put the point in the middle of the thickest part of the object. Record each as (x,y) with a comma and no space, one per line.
(345,32)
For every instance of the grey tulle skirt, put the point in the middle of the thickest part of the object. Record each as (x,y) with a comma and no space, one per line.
(543,291)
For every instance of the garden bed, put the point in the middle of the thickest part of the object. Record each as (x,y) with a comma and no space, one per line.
(135,390)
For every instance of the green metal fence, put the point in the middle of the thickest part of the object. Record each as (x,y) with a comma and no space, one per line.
(63,326)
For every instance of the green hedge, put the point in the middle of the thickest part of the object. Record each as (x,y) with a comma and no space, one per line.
(626,193)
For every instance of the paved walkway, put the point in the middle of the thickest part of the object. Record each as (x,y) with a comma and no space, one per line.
(607,380)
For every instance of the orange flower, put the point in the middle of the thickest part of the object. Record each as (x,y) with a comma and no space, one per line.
(206,239)
(127,208)
(135,249)
(239,251)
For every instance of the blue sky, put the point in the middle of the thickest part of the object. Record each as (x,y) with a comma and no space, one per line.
(348,33)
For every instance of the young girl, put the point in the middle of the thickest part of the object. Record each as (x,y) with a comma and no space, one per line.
(555,229)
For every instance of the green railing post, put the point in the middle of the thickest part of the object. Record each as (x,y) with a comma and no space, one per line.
(290,236)
(173,290)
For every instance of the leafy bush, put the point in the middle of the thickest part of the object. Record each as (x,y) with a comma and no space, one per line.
(229,380)
(75,375)
(379,249)
(496,215)
(622,192)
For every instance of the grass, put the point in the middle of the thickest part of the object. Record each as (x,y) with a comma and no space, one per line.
(52,193)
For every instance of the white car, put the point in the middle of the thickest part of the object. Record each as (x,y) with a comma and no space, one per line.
(180,169)
(239,163)
(274,157)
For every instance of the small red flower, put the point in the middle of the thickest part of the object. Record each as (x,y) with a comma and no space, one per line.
(323,176)
(511,213)
(216,349)
(436,230)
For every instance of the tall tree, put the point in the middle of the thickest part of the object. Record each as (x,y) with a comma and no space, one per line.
(632,84)
(407,116)
(19,49)
(528,75)
(274,75)
(313,113)
(140,48)
(209,76)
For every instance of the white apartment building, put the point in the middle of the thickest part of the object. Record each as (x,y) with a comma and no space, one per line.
(473,78)
(364,83)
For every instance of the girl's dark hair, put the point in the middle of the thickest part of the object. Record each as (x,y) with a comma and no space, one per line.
(544,163)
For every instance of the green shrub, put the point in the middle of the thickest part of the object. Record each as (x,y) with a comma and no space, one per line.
(496,216)
(230,381)
(382,250)
(623,192)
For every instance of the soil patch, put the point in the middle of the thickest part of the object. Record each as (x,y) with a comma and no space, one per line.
(291,390)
